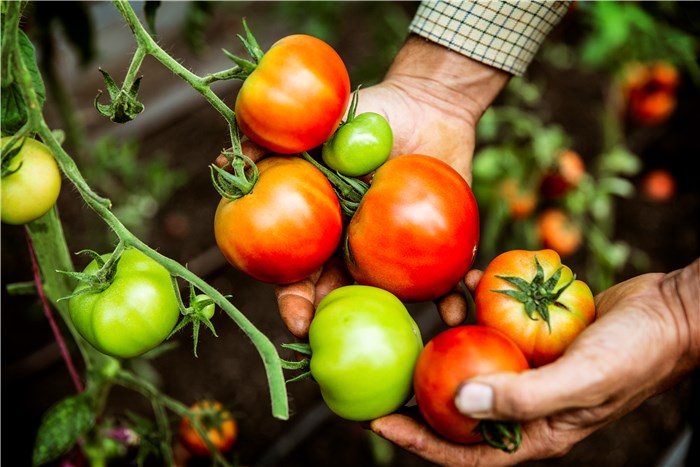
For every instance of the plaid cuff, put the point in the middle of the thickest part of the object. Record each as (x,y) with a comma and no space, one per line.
(503,34)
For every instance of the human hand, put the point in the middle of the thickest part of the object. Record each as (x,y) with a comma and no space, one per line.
(599,378)
(432,99)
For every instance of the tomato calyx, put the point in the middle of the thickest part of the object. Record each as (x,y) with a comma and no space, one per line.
(348,190)
(538,294)
(243,67)
(239,180)
(124,105)
(200,311)
(8,156)
(505,436)
(102,278)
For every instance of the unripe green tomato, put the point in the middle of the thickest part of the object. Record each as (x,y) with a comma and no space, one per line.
(359,146)
(207,311)
(364,347)
(31,191)
(134,314)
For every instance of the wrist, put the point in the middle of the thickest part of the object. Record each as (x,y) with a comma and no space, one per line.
(446,79)
(681,291)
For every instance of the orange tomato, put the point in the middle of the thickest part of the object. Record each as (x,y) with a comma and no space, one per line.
(218,423)
(556,230)
(658,185)
(521,201)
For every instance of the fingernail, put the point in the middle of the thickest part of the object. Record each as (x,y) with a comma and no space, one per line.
(474,399)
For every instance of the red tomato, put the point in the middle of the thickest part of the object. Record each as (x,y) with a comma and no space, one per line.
(416,230)
(659,185)
(447,361)
(536,301)
(218,423)
(286,228)
(566,174)
(296,96)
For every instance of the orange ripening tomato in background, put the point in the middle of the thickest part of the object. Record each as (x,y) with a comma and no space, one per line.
(658,185)
(535,300)
(649,90)
(217,422)
(416,230)
(556,230)
(295,98)
(521,201)
(286,227)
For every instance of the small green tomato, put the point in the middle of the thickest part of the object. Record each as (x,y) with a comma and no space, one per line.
(359,146)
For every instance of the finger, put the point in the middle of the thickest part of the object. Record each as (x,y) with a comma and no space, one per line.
(296,304)
(452,306)
(472,278)
(334,275)
(417,438)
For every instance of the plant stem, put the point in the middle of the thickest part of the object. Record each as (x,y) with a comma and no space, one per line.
(49,316)
(266,349)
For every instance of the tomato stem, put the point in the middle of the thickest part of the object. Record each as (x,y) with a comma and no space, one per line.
(505,436)
(239,183)
(348,190)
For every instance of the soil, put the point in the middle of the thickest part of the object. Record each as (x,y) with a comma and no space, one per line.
(180,123)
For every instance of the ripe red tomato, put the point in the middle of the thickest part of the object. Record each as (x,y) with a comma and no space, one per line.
(296,96)
(218,423)
(447,361)
(556,230)
(286,227)
(536,300)
(416,230)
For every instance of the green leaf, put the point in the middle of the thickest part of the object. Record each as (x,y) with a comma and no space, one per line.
(149,10)
(61,427)
(619,161)
(14,112)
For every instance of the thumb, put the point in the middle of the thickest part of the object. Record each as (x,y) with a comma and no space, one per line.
(532,394)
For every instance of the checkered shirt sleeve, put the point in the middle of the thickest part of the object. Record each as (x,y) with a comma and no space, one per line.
(503,34)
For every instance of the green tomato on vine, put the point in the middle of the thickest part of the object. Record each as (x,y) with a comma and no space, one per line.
(360,145)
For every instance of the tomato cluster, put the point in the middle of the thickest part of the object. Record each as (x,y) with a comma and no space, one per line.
(649,91)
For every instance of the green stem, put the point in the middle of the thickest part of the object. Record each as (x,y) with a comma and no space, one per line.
(266,349)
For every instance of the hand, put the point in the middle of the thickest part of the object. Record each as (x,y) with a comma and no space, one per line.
(432,99)
(599,378)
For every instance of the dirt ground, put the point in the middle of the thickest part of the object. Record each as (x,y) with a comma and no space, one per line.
(229,369)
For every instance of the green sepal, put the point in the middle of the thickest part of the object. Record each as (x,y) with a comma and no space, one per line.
(302,348)
(505,436)
(124,106)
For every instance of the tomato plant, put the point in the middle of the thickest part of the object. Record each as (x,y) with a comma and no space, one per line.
(448,360)
(295,97)
(31,181)
(536,300)
(133,312)
(416,230)
(566,174)
(360,145)
(286,227)
(218,423)
(364,346)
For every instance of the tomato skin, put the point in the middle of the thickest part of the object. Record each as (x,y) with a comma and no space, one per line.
(449,359)
(296,96)
(572,312)
(134,314)
(219,424)
(31,191)
(286,228)
(364,347)
(416,230)
(359,146)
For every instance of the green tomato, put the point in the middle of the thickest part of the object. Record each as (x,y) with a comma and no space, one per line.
(364,347)
(207,310)
(134,314)
(31,191)
(359,146)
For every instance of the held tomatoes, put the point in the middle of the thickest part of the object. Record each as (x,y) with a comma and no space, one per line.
(296,96)
(536,301)
(416,230)
(33,188)
(448,360)
(134,314)
(218,423)
(364,346)
(286,227)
